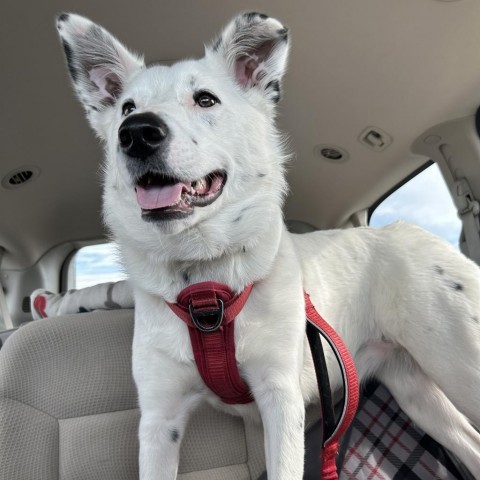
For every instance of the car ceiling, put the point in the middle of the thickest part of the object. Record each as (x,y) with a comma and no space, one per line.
(402,66)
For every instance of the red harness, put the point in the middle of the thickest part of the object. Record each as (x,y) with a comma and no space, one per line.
(209,309)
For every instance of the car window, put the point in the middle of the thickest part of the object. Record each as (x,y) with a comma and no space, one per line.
(423,200)
(94,264)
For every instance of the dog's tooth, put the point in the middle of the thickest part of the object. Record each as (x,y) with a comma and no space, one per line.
(200,187)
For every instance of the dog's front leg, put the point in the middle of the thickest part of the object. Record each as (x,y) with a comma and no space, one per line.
(282,409)
(160,434)
(167,396)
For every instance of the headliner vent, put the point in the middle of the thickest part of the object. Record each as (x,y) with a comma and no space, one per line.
(20,176)
(331,153)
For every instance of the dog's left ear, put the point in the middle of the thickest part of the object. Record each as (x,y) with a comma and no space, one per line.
(255,49)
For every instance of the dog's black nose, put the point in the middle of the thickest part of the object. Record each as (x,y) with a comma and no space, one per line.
(142,134)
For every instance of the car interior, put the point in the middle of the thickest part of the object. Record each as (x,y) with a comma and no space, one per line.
(376,92)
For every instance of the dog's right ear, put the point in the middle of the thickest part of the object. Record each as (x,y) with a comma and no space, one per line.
(254,48)
(98,63)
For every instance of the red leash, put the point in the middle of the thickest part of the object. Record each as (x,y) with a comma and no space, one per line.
(332,432)
(209,310)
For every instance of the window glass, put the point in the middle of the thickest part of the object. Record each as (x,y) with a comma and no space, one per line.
(95,264)
(425,201)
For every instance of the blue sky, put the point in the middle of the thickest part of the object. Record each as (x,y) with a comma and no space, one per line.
(424,201)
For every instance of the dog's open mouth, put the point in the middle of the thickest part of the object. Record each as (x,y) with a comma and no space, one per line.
(161,197)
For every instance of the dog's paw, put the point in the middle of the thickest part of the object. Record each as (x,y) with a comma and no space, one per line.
(255,49)
(98,63)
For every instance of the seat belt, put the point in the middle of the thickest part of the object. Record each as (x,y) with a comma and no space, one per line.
(468,207)
(7,319)
(441,144)
(469,215)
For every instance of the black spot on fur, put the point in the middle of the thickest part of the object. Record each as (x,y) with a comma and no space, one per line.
(69,56)
(457,286)
(194,141)
(244,249)
(242,212)
(217,44)
(93,107)
(274,85)
(174,435)
(250,16)
(211,121)
(63,17)
(283,32)
(261,175)
(185,276)
(439,269)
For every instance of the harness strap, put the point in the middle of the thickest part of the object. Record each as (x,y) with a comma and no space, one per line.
(208,309)
(331,432)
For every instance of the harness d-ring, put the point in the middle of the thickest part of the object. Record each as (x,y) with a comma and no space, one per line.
(207,320)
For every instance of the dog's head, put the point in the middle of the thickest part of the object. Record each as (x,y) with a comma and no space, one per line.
(192,145)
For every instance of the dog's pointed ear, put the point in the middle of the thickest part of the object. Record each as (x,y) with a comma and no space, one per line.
(98,63)
(255,49)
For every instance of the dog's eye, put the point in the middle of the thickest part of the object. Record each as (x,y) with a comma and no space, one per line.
(205,99)
(128,107)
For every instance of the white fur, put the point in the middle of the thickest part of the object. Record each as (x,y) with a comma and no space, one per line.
(405,303)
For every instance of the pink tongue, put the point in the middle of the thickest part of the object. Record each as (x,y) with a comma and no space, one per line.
(153,197)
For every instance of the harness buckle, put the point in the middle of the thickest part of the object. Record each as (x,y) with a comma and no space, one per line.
(207,320)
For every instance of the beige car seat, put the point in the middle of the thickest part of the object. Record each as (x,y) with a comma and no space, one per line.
(68,409)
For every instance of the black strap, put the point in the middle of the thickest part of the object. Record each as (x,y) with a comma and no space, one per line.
(321,371)
(326,401)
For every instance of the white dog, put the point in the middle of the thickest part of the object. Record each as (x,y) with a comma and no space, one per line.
(193,191)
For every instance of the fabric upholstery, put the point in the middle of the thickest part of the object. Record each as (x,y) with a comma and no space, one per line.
(68,409)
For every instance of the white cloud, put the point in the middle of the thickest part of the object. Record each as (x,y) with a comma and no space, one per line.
(98,264)
(424,201)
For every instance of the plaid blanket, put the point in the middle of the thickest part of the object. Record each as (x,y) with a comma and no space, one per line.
(384,444)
